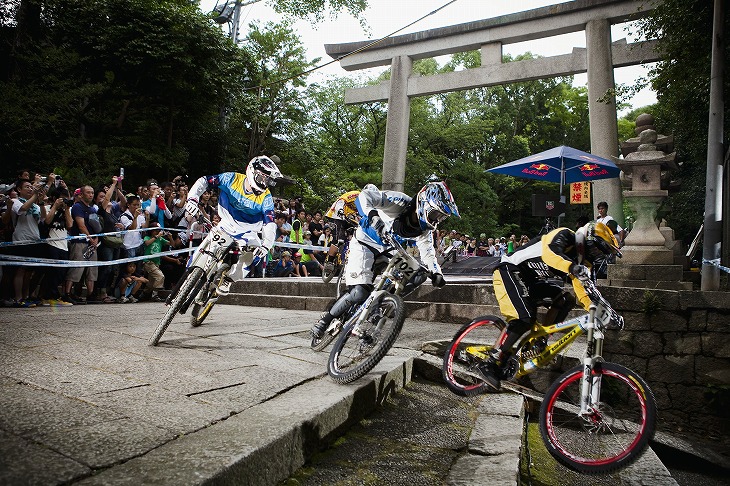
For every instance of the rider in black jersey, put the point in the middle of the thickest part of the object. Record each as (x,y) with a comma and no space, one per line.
(534,272)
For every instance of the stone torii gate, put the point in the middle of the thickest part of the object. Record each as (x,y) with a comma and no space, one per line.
(598,59)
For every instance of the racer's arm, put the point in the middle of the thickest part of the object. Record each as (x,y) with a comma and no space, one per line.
(268,231)
(202,185)
(427,252)
(554,245)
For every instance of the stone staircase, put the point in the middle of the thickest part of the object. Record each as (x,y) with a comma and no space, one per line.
(454,303)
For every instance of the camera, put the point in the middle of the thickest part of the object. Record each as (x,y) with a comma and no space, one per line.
(68,202)
(58,180)
(43,179)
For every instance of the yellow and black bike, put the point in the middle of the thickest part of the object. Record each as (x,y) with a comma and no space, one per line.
(596,417)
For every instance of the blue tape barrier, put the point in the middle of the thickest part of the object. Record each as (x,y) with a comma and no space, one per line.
(80,237)
(716,263)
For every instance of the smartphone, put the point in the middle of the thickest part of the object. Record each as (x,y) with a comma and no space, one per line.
(121,173)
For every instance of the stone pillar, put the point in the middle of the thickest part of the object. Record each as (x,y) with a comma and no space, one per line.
(396,128)
(602,111)
(491,54)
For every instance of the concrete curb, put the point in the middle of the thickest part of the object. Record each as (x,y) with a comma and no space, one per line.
(265,444)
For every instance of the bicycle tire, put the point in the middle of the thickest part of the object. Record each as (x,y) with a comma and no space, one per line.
(329,270)
(327,338)
(354,354)
(467,349)
(610,438)
(177,302)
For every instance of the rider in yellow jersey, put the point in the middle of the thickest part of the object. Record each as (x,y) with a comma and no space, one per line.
(534,272)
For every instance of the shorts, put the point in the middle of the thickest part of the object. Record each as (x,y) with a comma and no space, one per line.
(76,254)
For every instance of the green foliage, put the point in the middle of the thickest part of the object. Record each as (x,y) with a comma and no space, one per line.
(651,303)
(684,32)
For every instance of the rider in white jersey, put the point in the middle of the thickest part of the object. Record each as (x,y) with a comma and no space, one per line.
(245,206)
(382,211)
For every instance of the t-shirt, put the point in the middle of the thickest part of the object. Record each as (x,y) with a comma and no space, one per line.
(155,247)
(81,210)
(26,222)
(134,238)
(57,229)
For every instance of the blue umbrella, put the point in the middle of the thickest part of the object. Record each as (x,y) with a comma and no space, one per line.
(562,165)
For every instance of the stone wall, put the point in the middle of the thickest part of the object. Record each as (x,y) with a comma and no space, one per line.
(679,341)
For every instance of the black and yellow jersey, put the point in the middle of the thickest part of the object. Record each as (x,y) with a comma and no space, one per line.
(549,257)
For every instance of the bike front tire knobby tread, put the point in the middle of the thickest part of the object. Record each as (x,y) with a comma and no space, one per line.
(380,351)
(177,302)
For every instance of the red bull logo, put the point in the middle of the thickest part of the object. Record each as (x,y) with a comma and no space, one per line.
(539,170)
(593,170)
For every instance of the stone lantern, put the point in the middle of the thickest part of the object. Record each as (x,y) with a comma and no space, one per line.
(646,166)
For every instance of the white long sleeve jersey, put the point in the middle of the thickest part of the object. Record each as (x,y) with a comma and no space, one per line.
(390,206)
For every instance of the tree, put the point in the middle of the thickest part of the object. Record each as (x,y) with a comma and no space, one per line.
(683,29)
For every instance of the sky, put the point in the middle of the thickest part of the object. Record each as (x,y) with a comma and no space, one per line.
(384,17)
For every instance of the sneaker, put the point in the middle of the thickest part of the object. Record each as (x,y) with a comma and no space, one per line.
(491,373)
(7,303)
(122,300)
(319,329)
(225,286)
(75,300)
(155,298)
(132,299)
(58,303)
(44,303)
(25,304)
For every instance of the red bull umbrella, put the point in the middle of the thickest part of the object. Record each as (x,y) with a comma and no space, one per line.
(563,165)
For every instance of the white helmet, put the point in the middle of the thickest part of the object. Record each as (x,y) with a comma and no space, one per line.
(262,173)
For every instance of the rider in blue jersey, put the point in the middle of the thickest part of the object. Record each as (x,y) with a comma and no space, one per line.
(245,206)
(406,217)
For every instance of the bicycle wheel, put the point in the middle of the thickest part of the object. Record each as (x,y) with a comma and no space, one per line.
(613,435)
(360,348)
(469,347)
(190,281)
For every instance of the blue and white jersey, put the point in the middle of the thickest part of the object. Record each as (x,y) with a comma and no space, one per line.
(390,205)
(243,214)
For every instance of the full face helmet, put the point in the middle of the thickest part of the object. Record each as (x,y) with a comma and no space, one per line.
(435,203)
(595,241)
(262,173)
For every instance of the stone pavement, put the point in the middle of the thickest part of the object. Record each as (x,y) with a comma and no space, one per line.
(240,400)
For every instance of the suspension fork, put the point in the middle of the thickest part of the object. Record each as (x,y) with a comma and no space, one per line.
(591,384)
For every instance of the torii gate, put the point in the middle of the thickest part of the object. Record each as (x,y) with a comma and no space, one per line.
(598,59)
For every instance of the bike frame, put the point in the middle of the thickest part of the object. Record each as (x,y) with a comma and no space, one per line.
(400,269)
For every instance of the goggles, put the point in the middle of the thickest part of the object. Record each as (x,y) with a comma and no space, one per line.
(263,180)
(436,216)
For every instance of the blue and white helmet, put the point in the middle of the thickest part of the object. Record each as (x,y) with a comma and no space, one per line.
(435,203)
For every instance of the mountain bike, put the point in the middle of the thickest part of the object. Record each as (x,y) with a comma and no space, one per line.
(333,264)
(198,285)
(371,328)
(596,417)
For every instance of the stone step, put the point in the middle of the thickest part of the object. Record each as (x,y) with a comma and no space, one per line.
(650,284)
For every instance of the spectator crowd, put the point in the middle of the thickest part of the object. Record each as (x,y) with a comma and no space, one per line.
(47,212)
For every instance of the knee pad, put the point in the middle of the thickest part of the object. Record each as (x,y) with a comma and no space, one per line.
(356,295)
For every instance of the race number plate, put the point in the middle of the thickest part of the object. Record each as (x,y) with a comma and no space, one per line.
(407,266)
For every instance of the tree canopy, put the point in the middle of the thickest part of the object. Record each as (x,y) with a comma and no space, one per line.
(156,87)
